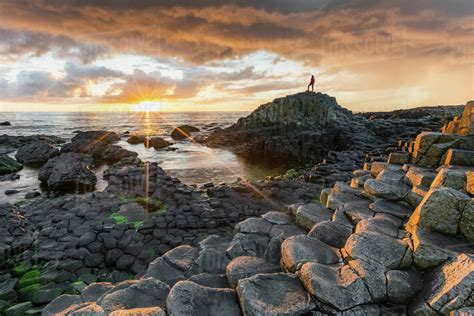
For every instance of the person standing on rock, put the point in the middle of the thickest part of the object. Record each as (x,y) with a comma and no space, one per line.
(311,83)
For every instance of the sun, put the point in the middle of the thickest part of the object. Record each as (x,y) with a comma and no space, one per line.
(149,106)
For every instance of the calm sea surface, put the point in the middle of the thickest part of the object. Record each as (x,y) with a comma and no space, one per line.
(192,163)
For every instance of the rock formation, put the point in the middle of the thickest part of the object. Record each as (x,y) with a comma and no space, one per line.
(394,239)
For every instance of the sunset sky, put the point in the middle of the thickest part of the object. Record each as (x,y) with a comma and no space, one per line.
(208,55)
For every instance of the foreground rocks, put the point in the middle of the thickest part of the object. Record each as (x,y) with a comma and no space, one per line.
(69,172)
(9,165)
(150,244)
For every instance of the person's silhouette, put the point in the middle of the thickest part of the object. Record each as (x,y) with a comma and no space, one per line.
(311,83)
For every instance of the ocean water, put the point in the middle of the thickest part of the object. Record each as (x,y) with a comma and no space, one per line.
(190,162)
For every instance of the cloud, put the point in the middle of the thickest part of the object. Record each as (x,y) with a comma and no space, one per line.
(357,46)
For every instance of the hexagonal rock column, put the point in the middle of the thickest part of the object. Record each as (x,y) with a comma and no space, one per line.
(245,266)
(297,250)
(273,294)
(336,285)
(189,298)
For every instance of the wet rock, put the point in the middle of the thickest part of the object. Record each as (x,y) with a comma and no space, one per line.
(9,165)
(103,136)
(145,293)
(11,192)
(69,172)
(244,267)
(297,250)
(36,154)
(114,153)
(338,286)
(157,143)
(183,131)
(32,195)
(189,298)
(136,139)
(5,123)
(273,294)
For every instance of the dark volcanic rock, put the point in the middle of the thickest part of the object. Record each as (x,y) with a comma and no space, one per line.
(36,153)
(103,136)
(183,131)
(157,143)
(298,127)
(136,139)
(5,123)
(9,165)
(69,172)
(98,144)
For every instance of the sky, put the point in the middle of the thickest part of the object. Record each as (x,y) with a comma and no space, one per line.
(209,55)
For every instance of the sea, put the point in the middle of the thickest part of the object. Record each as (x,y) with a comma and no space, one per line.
(191,162)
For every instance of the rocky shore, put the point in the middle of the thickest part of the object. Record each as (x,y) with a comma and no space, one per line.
(383,224)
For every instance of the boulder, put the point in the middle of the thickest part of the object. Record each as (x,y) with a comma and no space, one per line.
(136,139)
(297,250)
(5,123)
(378,225)
(183,131)
(403,286)
(389,190)
(254,225)
(157,143)
(189,298)
(114,153)
(9,165)
(103,136)
(336,285)
(399,158)
(387,251)
(273,294)
(447,288)
(431,249)
(278,218)
(332,233)
(69,172)
(440,211)
(253,245)
(388,207)
(245,266)
(173,265)
(62,305)
(36,154)
(212,256)
(308,215)
(92,292)
(148,292)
